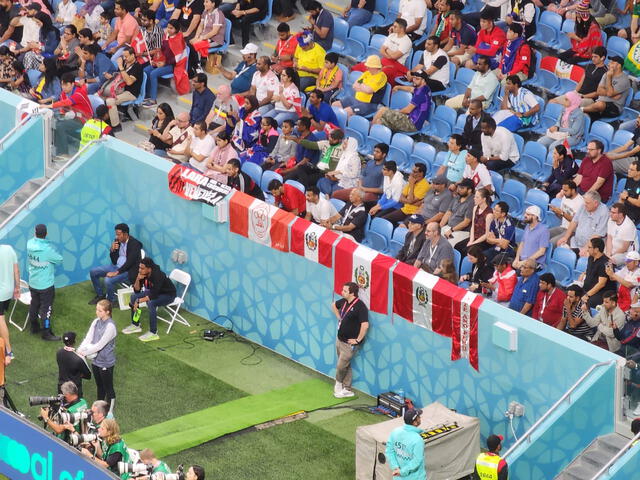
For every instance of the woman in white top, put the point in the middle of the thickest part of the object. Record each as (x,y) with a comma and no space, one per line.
(199,147)
(287,99)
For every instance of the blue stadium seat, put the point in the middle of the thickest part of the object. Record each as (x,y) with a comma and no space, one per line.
(141,95)
(519,142)
(296,184)
(265,21)
(253,170)
(562,264)
(498,182)
(620,138)
(459,126)
(267,176)
(386,98)
(357,42)
(227,39)
(399,100)
(400,149)
(374,45)
(96,101)
(378,235)
(539,198)
(564,43)
(377,134)
(337,203)
(617,46)
(358,127)
(340,32)
(465,266)
(531,159)
(547,80)
(341,115)
(617,189)
(581,267)
(623,21)
(547,166)
(548,29)
(397,241)
(602,131)
(587,126)
(513,192)
(462,80)
(548,117)
(422,153)
(457,258)
(442,122)
(380,14)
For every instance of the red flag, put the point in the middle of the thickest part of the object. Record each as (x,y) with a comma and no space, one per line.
(423,299)
(260,222)
(366,267)
(313,241)
(180,77)
(464,343)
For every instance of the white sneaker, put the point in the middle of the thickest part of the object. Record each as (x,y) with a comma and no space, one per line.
(131,329)
(149,337)
(338,387)
(636,412)
(344,393)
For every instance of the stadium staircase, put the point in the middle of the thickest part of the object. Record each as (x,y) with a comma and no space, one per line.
(586,465)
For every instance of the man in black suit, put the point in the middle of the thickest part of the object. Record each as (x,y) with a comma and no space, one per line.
(472,132)
(125,253)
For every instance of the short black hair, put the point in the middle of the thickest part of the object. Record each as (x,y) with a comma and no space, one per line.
(201,78)
(101,111)
(422,168)
(611,295)
(289,122)
(600,51)
(199,471)
(148,14)
(516,28)
(504,206)
(332,57)
(306,121)
(313,5)
(548,278)
(514,79)
(577,289)
(72,28)
(599,145)
(459,139)
(148,262)
(283,27)
(318,93)
(571,184)
(235,163)
(402,22)
(353,288)
(383,147)
(68,77)
(390,165)
(313,189)
(91,49)
(274,184)
(597,242)
(86,32)
(490,121)
(487,15)
(123,227)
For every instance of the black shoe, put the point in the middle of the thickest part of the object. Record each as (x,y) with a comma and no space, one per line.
(96,299)
(116,129)
(35,328)
(49,336)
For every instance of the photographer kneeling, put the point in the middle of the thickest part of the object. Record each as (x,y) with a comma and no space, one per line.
(72,404)
(148,457)
(111,449)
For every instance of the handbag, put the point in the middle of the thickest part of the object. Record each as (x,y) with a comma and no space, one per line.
(557,135)
(113,87)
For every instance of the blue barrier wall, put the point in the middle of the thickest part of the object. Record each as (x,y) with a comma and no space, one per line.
(8,104)
(21,158)
(29,453)
(282,301)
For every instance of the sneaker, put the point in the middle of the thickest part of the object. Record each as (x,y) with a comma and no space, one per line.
(344,393)
(149,103)
(131,329)
(338,387)
(149,337)
(96,299)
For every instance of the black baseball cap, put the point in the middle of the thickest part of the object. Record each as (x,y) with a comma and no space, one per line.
(69,338)
(493,441)
(41,229)
(411,415)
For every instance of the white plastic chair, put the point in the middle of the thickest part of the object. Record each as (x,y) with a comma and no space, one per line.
(183,278)
(25,299)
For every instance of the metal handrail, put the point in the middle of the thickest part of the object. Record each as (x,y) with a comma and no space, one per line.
(49,181)
(567,395)
(21,123)
(615,458)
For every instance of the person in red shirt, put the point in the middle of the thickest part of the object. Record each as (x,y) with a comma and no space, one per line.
(516,57)
(74,103)
(595,172)
(490,42)
(503,281)
(288,197)
(549,302)
(285,48)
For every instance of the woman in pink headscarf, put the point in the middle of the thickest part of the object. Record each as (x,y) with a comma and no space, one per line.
(570,125)
(219,118)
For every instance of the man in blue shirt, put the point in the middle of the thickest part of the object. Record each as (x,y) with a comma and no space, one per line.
(535,239)
(41,261)
(526,290)
(305,170)
(502,233)
(93,66)
(242,75)
(319,111)
(321,23)
(202,99)
(405,448)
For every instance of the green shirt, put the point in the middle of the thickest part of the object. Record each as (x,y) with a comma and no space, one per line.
(162,467)
(118,447)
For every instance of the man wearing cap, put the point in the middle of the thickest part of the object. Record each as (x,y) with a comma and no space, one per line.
(308,60)
(368,90)
(476,171)
(242,75)
(264,84)
(588,222)
(71,366)
(535,240)
(526,289)
(612,90)
(42,259)
(9,289)
(410,118)
(499,148)
(621,235)
(353,324)
(490,465)
(435,249)
(437,200)
(405,448)
(413,241)
(456,222)
(627,278)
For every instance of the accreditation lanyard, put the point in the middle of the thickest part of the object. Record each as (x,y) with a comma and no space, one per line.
(432,252)
(344,310)
(544,301)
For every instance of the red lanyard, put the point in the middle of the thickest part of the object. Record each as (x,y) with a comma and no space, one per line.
(343,313)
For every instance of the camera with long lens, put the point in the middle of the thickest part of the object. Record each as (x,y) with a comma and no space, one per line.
(51,401)
(135,469)
(76,439)
(179,475)
(77,417)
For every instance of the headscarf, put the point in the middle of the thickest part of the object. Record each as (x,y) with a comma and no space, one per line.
(574,102)
(349,164)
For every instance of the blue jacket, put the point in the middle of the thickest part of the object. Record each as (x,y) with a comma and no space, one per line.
(42,258)
(405,449)
(576,126)
(201,105)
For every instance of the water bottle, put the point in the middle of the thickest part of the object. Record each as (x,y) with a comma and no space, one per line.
(401,395)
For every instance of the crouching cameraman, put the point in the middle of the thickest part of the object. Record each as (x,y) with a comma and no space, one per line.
(111,449)
(71,403)
(148,457)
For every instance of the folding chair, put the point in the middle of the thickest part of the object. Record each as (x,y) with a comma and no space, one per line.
(183,278)
(25,299)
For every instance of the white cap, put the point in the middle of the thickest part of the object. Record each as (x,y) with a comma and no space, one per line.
(249,48)
(535,211)
(633,255)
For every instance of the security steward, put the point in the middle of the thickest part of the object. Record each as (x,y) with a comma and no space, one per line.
(405,448)
(489,465)
(72,404)
(95,127)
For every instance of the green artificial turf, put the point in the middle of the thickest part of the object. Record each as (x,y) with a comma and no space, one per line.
(181,374)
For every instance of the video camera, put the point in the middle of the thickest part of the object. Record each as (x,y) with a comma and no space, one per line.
(51,401)
(76,439)
(140,469)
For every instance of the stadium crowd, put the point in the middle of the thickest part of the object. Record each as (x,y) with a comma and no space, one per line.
(491,143)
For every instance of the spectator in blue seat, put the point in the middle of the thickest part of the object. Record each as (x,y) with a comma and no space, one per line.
(359,12)
(94,64)
(372,177)
(570,125)
(502,233)
(453,167)
(481,270)
(368,90)
(413,241)
(410,118)
(535,240)
(319,111)
(392,186)
(305,170)
(526,290)
(321,21)
(239,180)
(519,108)
(242,75)
(247,124)
(351,219)
(563,170)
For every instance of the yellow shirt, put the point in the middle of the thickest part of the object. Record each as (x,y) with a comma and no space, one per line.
(420,189)
(313,58)
(376,82)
